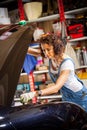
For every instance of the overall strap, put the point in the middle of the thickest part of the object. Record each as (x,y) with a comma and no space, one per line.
(64,61)
(53,78)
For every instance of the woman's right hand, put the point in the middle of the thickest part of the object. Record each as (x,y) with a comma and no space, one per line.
(26,97)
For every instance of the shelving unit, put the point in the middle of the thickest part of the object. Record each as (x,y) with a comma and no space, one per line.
(68,15)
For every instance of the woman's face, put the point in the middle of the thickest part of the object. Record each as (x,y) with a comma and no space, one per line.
(48,50)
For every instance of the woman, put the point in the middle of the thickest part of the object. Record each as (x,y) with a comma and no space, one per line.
(62,73)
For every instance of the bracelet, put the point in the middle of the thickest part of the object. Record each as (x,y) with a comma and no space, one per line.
(39,93)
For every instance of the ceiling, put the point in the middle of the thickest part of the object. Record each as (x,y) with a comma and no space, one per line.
(68,4)
(11,4)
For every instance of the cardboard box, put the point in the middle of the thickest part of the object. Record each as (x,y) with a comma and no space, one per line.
(3,13)
(5,20)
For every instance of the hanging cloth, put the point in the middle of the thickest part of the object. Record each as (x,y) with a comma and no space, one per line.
(21,13)
(69,49)
(62,19)
(29,63)
(61,10)
(21,10)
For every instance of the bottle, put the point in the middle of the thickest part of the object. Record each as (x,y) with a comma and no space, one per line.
(79,55)
(84,51)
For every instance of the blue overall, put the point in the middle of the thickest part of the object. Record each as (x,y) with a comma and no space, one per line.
(80,97)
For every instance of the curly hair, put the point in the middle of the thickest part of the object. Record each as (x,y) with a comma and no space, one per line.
(52,39)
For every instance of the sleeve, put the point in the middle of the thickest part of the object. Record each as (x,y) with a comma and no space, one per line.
(67,65)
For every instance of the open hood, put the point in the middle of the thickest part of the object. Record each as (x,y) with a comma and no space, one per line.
(12,54)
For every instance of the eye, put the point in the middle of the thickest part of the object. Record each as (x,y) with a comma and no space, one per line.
(48,50)
(43,50)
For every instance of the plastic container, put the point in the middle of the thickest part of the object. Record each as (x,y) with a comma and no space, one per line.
(33,10)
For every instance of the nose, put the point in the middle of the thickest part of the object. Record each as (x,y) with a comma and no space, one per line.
(46,53)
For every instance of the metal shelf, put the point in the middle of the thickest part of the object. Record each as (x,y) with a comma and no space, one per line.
(68,15)
(50,17)
(82,67)
(40,71)
(43,97)
(34,45)
(78,39)
(50,97)
(37,72)
(77,11)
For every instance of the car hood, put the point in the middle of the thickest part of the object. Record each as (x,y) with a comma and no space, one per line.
(12,54)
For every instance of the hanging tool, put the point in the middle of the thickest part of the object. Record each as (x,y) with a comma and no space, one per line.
(62,19)
(21,13)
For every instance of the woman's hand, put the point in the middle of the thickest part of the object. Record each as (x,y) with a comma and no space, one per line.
(26,97)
